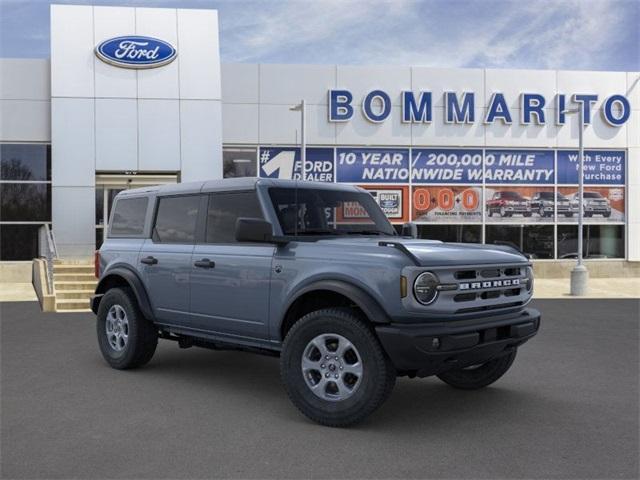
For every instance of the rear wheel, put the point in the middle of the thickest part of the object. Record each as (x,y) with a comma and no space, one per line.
(126,338)
(481,375)
(334,369)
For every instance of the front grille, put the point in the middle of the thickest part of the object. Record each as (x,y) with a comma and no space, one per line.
(484,288)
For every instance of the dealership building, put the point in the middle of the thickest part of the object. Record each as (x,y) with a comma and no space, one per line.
(470,155)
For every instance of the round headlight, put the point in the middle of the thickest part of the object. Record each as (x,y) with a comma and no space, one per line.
(425,289)
(529,279)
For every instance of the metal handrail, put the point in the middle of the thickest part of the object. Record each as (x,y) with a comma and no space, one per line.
(50,252)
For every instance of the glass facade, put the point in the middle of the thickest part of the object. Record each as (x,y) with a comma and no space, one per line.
(525,198)
(25,198)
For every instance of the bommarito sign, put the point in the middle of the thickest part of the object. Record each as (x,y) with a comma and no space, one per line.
(460,108)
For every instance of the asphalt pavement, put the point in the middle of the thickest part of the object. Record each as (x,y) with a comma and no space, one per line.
(568,408)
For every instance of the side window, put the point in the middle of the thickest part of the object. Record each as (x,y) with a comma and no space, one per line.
(128,216)
(224,210)
(176,219)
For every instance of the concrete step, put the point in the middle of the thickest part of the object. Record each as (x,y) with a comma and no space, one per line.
(74,277)
(76,294)
(72,310)
(71,304)
(66,268)
(74,285)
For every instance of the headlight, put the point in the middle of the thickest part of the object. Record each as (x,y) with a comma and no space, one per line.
(530,279)
(425,288)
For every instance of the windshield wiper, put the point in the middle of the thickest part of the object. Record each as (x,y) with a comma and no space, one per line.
(366,232)
(317,232)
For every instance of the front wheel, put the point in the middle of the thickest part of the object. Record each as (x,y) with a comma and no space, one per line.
(334,369)
(126,338)
(479,376)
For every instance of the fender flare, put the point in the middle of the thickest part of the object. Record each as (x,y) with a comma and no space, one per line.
(363,300)
(134,282)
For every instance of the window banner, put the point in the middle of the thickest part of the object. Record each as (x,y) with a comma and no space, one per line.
(372,165)
(522,204)
(437,165)
(285,163)
(601,205)
(519,166)
(394,201)
(601,167)
(454,204)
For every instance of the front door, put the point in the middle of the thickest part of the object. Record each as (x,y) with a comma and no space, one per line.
(230,281)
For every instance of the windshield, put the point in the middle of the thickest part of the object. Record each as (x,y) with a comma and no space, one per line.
(313,211)
(592,195)
(546,195)
(512,196)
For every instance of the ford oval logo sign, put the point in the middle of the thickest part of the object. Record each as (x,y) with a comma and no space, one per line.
(134,51)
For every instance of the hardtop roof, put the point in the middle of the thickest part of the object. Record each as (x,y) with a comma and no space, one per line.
(231,184)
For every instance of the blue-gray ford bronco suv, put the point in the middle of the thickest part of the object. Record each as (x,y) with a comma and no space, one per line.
(313,273)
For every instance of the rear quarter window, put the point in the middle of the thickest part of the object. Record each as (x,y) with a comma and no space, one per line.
(128,217)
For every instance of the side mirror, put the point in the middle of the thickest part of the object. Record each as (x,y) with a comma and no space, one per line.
(254,230)
(410,229)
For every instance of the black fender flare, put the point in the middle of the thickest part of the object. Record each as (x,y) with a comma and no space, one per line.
(363,300)
(134,282)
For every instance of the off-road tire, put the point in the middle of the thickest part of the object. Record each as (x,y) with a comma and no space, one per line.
(480,377)
(142,334)
(378,377)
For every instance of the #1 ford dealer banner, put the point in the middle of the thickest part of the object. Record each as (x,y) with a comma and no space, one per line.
(285,163)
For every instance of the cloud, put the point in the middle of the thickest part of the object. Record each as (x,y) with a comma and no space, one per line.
(544,34)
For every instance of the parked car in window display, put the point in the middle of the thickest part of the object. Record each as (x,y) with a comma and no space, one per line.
(543,204)
(507,203)
(313,273)
(594,204)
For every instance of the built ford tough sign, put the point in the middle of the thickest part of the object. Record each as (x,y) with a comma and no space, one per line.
(316,274)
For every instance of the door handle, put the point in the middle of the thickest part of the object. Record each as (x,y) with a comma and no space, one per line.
(204,263)
(149,260)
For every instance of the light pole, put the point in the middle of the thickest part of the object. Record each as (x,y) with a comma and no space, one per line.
(303,140)
(580,274)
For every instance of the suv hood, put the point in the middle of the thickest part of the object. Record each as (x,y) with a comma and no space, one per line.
(435,253)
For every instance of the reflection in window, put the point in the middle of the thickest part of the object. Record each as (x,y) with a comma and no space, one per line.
(18,242)
(225,209)
(451,233)
(176,219)
(598,241)
(25,202)
(25,162)
(239,162)
(128,218)
(535,240)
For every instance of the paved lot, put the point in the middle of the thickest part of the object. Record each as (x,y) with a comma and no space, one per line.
(567,409)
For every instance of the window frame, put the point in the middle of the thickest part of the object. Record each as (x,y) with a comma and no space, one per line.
(202,240)
(142,234)
(198,227)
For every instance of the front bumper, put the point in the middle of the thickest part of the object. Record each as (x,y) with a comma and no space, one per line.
(602,210)
(431,348)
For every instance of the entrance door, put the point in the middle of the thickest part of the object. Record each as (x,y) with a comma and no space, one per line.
(109,185)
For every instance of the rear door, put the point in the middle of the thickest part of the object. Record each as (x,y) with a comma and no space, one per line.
(165,259)
(230,281)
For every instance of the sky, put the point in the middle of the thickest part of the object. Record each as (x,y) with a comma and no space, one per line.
(533,34)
